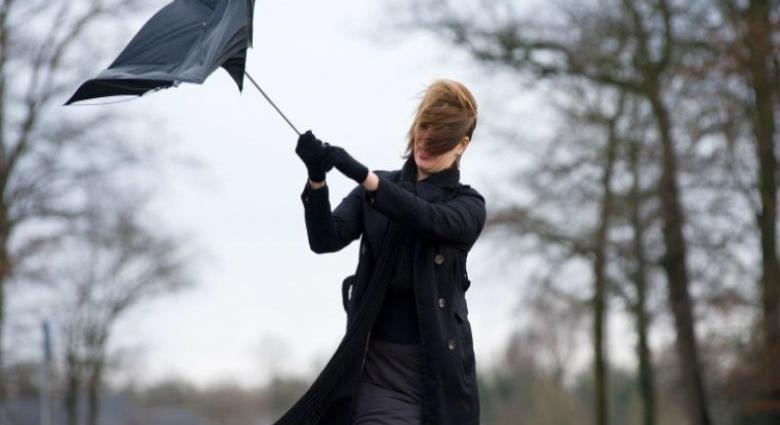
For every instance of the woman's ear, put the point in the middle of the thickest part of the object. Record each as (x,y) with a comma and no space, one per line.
(465,142)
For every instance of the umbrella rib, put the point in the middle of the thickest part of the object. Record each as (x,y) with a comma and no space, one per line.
(272,103)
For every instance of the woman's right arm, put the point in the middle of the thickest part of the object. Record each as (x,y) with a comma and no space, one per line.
(330,231)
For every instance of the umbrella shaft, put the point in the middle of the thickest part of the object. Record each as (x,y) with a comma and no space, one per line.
(272,103)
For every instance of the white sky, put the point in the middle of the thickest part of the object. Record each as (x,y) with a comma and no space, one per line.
(265,301)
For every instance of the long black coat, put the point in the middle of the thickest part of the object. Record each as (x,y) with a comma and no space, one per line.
(447,217)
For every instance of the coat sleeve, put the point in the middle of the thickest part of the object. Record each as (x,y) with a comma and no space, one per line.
(459,220)
(330,231)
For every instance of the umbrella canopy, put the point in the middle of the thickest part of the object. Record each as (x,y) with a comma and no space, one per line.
(185,41)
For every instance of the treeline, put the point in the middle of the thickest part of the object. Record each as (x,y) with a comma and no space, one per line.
(519,388)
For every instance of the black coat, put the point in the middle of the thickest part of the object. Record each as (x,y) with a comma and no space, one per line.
(447,217)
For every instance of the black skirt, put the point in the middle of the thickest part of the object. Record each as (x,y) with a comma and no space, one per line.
(390,390)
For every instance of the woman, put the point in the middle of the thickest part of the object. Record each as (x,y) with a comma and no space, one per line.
(407,356)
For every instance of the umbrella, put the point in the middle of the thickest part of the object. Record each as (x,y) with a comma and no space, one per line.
(184,41)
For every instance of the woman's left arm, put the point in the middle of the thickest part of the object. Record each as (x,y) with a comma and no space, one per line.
(459,220)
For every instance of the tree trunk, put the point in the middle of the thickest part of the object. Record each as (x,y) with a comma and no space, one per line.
(759,47)
(72,374)
(93,391)
(600,292)
(675,266)
(3,49)
(646,384)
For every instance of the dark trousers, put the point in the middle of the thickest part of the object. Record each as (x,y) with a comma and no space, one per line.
(390,390)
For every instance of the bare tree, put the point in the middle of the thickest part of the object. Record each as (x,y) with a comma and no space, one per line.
(761,58)
(581,178)
(745,57)
(759,35)
(626,45)
(47,153)
(109,262)
(601,248)
(639,275)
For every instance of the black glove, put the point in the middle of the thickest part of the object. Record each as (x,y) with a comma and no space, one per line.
(336,156)
(311,150)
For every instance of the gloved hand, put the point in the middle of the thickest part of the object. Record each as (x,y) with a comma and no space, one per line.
(336,156)
(311,150)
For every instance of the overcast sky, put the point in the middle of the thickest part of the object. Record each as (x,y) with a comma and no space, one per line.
(265,301)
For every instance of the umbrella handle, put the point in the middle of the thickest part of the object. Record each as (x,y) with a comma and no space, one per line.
(272,103)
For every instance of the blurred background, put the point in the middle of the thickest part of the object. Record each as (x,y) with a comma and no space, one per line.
(154,265)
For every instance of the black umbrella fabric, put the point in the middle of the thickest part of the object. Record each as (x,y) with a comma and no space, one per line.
(185,41)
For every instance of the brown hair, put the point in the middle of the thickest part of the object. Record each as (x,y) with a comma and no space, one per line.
(448,112)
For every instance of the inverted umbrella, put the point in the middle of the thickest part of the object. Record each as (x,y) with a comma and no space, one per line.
(185,41)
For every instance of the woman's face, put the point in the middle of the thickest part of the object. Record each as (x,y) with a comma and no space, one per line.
(428,163)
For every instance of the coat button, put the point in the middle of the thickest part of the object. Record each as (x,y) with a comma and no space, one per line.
(438,259)
(451,344)
(441,302)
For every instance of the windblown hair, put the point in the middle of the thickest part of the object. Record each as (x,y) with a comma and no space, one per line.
(448,112)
